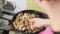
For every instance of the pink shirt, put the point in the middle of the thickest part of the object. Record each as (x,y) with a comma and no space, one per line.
(47,31)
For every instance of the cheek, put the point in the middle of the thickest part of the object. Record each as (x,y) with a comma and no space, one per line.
(37,2)
(42,4)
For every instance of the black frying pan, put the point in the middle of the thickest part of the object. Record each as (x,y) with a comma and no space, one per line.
(41,15)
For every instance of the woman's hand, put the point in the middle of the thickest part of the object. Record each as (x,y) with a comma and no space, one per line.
(11,27)
(37,22)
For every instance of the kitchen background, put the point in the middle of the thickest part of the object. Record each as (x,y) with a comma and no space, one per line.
(11,7)
(14,6)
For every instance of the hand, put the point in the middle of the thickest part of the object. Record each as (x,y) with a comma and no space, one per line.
(37,22)
(11,27)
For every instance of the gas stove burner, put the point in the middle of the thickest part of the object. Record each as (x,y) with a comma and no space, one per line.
(0,11)
(9,6)
(0,14)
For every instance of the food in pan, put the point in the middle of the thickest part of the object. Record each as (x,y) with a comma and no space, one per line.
(22,22)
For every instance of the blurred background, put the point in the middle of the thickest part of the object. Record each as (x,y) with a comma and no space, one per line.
(8,8)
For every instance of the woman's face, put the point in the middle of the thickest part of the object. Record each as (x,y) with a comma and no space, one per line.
(48,4)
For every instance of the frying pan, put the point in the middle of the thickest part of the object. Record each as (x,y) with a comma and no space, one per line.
(41,15)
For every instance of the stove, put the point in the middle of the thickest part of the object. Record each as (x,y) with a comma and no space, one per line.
(8,12)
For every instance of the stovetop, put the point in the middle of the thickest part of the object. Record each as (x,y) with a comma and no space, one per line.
(4,20)
(9,13)
(6,17)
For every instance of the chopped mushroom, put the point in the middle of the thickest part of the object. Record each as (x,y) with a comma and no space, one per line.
(22,22)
